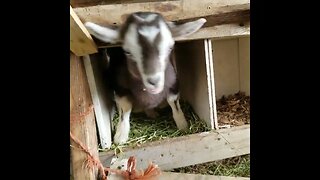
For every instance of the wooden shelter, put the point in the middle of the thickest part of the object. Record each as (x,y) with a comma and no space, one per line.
(218,53)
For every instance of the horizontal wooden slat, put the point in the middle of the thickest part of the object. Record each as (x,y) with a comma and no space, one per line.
(115,14)
(240,17)
(81,42)
(185,176)
(220,32)
(189,150)
(85,3)
(215,32)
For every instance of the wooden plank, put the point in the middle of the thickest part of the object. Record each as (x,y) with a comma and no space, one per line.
(239,16)
(188,150)
(82,121)
(192,74)
(185,176)
(210,84)
(100,100)
(115,14)
(225,31)
(226,64)
(81,42)
(85,3)
(244,64)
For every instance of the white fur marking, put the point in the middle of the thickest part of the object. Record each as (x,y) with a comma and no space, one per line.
(156,75)
(172,97)
(149,32)
(132,45)
(150,17)
(123,126)
(147,18)
(165,44)
(178,114)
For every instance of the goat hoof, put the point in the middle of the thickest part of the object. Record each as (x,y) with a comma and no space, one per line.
(183,126)
(181,122)
(120,138)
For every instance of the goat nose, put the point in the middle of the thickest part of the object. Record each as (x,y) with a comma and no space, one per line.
(153,81)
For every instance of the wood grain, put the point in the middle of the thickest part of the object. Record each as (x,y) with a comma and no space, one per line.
(82,121)
(81,42)
(189,150)
(115,14)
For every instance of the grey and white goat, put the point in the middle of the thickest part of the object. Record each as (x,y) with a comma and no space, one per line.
(144,77)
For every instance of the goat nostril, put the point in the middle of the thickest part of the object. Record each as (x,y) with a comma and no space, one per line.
(153,81)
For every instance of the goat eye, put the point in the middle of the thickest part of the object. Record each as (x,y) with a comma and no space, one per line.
(127,53)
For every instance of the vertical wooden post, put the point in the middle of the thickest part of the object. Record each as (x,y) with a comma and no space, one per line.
(82,120)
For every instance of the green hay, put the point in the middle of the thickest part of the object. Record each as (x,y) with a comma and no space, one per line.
(236,166)
(144,129)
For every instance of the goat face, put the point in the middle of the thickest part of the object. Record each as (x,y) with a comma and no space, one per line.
(147,40)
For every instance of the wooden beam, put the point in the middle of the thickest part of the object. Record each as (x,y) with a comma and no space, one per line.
(216,32)
(82,121)
(240,17)
(81,42)
(85,3)
(220,32)
(185,176)
(188,150)
(115,14)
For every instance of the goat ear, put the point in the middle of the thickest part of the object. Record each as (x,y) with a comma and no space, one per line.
(186,28)
(105,34)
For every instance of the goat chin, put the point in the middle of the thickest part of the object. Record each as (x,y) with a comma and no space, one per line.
(155,90)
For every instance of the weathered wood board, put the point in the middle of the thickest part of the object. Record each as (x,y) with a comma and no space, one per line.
(94,66)
(81,42)
(115,14)
(188,150)
(185,176)
(82,120)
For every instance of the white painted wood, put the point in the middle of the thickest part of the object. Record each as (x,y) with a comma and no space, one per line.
(232,65)
(211,83)
(226,66)
(188,150)
(99,101)
(244,64)
(192,74)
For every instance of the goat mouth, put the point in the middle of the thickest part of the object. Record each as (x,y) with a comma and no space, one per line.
(154,90)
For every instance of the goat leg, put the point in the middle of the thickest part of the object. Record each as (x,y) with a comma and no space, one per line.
(123,127)
(178,115)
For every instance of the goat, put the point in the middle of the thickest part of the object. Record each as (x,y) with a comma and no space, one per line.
(145,76)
